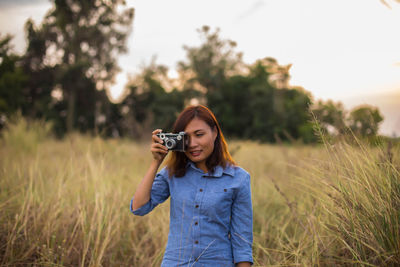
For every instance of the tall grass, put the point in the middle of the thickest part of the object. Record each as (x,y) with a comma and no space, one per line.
(66,203)
(358,191)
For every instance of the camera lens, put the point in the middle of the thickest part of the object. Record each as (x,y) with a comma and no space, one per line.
(170,143)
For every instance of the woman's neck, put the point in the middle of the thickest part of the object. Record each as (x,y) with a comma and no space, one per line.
(202,166)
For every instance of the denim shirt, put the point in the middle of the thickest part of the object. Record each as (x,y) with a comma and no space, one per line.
(211,216)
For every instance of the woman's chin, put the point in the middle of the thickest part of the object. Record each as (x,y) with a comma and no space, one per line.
(195,159)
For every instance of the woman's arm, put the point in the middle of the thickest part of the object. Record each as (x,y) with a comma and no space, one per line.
(142,194)
(143,191)
(243,264)
(242,223)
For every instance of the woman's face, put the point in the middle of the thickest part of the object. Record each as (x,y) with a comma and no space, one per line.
(201,142)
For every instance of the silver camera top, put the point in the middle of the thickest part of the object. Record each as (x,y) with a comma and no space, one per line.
(173,141)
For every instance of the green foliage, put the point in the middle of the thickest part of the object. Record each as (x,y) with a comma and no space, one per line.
(364,120)
(331,115)
(12,80)
(40,77)
(261,103)
(250,101)
(228,104)
(254,108)
(75,49)
(212,61)
(70,61)
(152,103)
(293,117)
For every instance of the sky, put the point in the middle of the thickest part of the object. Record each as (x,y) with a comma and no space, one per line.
(348,51)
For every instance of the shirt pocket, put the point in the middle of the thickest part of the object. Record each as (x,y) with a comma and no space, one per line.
(218,201)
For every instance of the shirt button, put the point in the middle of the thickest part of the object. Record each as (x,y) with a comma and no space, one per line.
(201,190)
(197,206)
(196,242)
(196,223)
(225,190)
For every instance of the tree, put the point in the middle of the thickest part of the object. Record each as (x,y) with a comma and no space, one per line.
(81,40)
(152,102)
(364,120)
(254,107)
(292,118)
(41,76)
(212,61)
(261,102)
(331,116)
(12,80)
(230,105)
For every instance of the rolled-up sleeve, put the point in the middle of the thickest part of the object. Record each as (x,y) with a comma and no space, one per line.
(242,223)
(159,193)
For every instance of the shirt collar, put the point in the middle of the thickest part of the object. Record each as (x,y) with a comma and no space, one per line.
(217,172)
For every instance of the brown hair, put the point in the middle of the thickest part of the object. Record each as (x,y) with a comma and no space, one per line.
(177,161)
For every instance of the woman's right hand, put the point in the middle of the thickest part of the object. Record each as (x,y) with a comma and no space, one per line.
(158,150)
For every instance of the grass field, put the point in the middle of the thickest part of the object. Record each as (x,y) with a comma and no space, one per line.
(66,203)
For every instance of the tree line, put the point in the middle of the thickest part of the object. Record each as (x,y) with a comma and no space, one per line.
(70,62)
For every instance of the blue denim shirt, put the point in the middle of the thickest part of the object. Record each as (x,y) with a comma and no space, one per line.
(211,216)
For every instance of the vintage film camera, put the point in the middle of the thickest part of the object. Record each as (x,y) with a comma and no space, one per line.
(175,142)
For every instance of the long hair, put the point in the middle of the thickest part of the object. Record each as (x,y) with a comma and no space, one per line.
(177,161)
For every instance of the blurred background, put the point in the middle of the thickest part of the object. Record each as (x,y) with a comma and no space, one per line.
(83,84)
(121,68)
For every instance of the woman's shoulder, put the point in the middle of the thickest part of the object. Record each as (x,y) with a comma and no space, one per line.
(238,171)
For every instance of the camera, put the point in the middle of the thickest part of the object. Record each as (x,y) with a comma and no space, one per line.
(175,142)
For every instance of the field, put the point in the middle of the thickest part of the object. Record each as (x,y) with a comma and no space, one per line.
(66,203)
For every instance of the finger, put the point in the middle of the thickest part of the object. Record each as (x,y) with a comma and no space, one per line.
(159,146)
(158,150)
(156,131)
(156,139)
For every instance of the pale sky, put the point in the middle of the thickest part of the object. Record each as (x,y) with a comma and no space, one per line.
(347,50)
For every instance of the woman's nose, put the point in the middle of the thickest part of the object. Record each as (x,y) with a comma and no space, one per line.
(192,142)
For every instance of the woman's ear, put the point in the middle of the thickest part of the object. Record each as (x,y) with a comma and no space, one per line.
(214,132)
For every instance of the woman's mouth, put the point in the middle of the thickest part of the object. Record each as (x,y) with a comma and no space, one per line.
(195,153)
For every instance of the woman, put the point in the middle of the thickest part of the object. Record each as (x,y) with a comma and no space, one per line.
(211,216)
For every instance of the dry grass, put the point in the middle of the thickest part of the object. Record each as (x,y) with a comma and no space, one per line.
(66,203)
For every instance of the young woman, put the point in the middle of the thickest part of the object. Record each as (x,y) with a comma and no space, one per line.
(211,216)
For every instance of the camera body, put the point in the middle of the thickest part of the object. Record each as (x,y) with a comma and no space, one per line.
(175,142)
